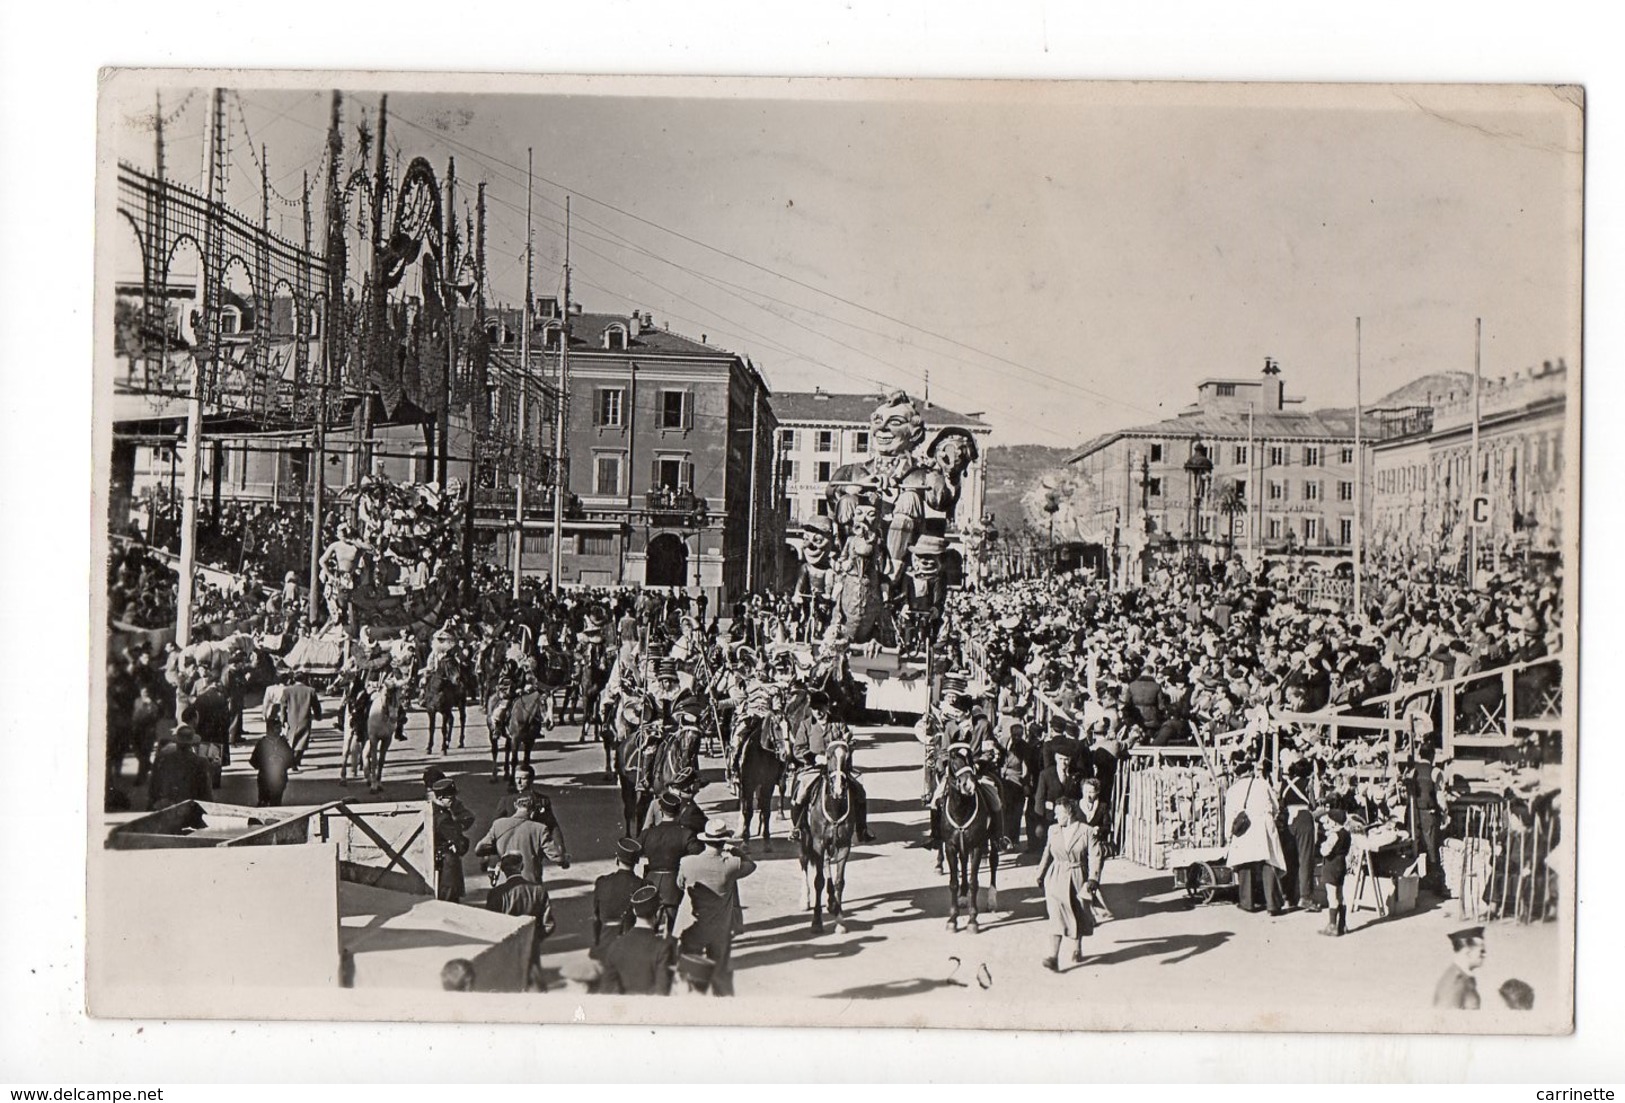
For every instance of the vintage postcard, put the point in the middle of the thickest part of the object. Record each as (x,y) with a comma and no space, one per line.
(995,554)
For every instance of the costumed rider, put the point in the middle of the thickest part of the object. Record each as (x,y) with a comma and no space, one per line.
(955,741)
(514,680)
(764,699)
(666,689)
(809,743)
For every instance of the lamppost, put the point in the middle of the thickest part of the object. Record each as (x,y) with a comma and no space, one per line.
(1200,470)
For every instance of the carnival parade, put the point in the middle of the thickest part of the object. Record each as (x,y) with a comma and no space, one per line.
(529,632)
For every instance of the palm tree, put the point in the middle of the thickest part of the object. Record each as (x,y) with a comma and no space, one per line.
(1228,500)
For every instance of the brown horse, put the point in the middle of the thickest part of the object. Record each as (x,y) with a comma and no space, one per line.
(761,769)
(967,835)
(445,692)
(826,827)
(647,762)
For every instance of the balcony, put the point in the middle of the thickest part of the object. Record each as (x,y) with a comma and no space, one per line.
(499,501)
(664,507)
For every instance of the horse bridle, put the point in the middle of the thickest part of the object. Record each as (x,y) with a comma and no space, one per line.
(830,769)
(976,808)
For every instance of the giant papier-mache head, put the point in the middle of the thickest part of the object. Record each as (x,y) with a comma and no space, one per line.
(896,425)
(817,537)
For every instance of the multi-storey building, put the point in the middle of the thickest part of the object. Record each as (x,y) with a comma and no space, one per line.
(669,446)
(1422,469)
(819,432)
(1281,478)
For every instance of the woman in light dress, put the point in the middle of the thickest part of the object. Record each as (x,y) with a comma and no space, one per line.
(1063,872)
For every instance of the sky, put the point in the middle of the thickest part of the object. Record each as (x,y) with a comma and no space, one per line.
(1064,258)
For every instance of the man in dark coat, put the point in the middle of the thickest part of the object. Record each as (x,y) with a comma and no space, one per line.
(213,718)
(1143,700)
(665,845)
(451,824)
(639,963)
(300,706)
(273,757)
(512,894)
(178,774)
(612,894)
(1055,784)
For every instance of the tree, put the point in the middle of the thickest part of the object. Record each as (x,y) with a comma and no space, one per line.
(1228,500)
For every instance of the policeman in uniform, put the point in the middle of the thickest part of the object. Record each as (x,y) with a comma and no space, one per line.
(612,894)
(665,844)
(639,962)
(1458,988)
(451,824)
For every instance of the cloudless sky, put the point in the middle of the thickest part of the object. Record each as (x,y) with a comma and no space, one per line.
(1068,258)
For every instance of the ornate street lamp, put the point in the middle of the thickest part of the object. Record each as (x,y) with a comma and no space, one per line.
(1200,470)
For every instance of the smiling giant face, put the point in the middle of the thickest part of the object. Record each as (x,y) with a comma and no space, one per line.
(896,426)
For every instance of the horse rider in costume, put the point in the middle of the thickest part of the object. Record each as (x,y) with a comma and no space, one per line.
(809,744)
(956,735)
(765,699)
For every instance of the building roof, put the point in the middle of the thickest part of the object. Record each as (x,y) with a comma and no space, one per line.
(1268,425)
(825,407)
(587,334)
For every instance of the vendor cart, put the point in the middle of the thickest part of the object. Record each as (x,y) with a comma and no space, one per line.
(1201,871)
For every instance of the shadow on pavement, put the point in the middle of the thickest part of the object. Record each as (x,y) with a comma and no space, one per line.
(1132,899)
(807,948)
(892,988)
(1181,947)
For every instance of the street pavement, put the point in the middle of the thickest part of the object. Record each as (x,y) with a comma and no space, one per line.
(1172,963)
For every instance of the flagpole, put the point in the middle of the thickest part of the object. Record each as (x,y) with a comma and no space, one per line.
(1359,474)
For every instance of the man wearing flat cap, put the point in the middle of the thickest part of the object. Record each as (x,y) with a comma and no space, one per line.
(639,962)
(512,893)
(1458,988)
(612,894)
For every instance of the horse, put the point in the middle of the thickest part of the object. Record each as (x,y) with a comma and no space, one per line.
(967,834)
(445,691)
(826,825)
(586,690)
(761,771)
(381,720)
(519,727)
(641,781)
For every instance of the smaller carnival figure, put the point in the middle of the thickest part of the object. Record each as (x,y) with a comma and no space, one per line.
(919,605)
(858,576)
(340,565)
(815,588)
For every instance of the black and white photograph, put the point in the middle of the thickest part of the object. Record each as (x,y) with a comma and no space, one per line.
(998,554)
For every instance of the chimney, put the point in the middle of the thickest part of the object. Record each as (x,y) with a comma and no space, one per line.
(635,326)
(702,338)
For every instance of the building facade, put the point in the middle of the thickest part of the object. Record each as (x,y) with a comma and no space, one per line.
(669,471)
(819,432)
(1422,470)
(1281,478)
